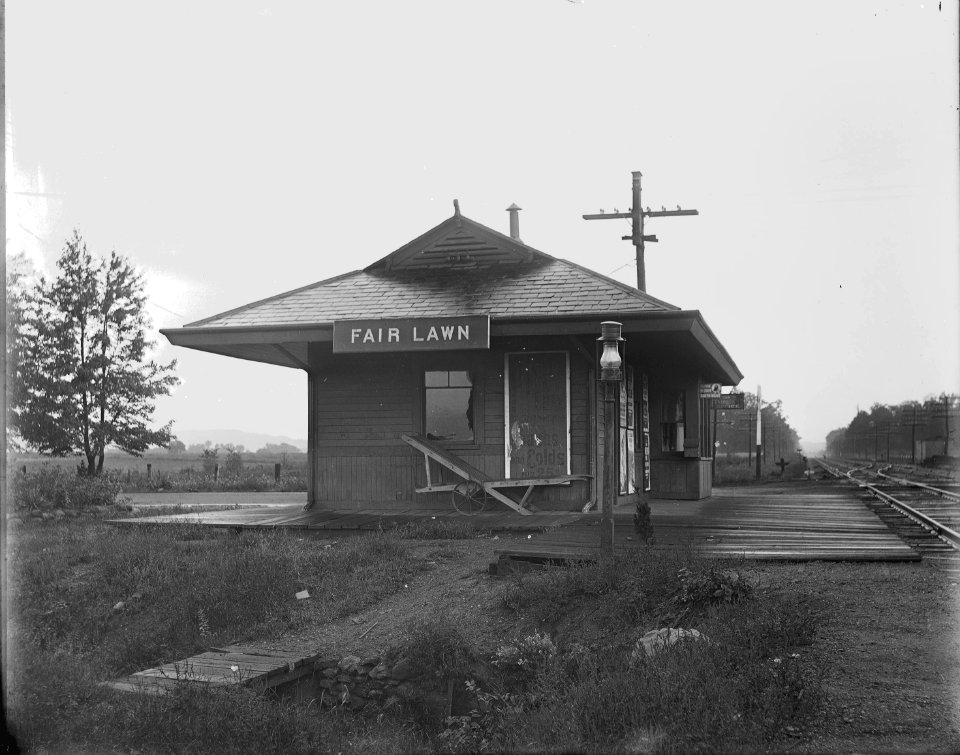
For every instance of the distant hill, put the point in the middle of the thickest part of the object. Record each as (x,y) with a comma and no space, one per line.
(250,441)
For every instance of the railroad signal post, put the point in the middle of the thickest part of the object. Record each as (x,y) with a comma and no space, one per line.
(636,215)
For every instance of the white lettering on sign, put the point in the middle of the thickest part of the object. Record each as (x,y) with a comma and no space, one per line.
(368,335)
(416,333)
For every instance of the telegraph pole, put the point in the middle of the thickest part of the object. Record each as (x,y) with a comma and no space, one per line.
(636,215)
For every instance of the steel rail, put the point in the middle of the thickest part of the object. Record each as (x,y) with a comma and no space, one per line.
(914,484)
(949,536)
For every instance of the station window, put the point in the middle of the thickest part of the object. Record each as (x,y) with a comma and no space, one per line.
(448,400)
(671,421)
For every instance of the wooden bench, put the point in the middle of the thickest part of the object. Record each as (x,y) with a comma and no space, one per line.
(470,473)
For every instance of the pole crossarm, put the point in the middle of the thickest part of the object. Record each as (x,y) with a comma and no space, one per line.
(645,213)
(637,215)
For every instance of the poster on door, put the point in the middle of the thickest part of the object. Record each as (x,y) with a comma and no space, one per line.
(628,475)
(645,425)
(537,414)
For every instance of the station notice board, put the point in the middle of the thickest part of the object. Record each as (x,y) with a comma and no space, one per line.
(727,401)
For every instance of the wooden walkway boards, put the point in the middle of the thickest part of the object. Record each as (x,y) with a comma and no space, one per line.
(806,521)
(292,516)
(232,665)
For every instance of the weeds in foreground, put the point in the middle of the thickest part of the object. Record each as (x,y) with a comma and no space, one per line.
(92,602)
(196,718)
(432,528)
(738,688)
(571,688)
(51,488)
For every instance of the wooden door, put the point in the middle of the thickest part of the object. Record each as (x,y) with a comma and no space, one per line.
(537,420)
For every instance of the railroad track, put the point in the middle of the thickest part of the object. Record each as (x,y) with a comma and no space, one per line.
(924,515)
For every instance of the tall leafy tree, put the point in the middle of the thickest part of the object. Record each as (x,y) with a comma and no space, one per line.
(85,379)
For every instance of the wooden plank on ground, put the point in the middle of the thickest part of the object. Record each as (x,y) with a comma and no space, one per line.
(233,665)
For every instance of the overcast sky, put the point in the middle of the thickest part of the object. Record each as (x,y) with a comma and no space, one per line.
(235,150)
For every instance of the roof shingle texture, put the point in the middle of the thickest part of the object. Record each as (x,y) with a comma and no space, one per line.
(544,287)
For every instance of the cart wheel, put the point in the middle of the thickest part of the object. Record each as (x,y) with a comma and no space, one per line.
(469,498)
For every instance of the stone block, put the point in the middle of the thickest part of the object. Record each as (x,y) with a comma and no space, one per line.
(381,671)
(402,669)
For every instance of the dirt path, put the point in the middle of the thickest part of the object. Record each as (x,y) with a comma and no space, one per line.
(456,582)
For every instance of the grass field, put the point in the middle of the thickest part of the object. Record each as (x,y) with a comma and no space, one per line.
(567,674)
(160,462)
(92,602)
(161,471)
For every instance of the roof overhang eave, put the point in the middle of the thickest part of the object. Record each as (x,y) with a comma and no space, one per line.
(283,345)
(286,344)
(710,354)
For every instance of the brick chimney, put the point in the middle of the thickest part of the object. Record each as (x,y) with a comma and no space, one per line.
(514,222)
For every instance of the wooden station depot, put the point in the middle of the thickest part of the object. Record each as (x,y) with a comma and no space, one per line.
(467,354)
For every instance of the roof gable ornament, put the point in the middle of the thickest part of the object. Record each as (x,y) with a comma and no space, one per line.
(459,243)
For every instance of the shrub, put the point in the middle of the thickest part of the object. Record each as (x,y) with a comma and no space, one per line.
(54,488)
(641,521)
(437,648)
(234,462)
(700,587)
(528,654)
(209,457)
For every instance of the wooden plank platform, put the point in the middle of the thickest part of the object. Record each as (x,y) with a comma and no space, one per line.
(230,666)
(293,516)
(807,521)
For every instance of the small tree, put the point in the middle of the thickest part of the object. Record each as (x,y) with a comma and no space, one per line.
(84,380)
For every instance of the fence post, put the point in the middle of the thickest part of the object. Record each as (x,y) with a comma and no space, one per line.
(276,472)
(216,472)
(149,469)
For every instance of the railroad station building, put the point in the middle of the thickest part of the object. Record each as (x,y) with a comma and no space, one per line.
(473,345)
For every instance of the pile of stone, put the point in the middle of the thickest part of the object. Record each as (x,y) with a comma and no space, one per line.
(367,685)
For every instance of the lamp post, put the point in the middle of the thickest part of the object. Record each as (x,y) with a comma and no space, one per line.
(611,373)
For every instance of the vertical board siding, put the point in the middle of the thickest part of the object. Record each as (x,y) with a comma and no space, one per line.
(361,407)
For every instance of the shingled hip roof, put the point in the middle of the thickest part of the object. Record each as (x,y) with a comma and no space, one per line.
(537,289)
(460,267)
